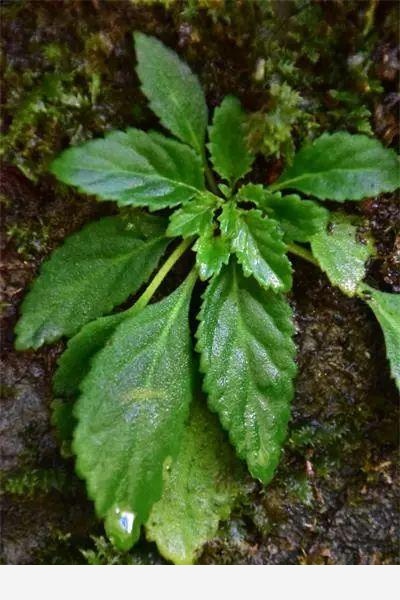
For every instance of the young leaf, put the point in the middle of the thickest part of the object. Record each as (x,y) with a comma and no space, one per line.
(95,270)
(212,251)
(258,245)
(134,168)
(200,488)
(194,218)
(174,92)
(247,356)
(131,413)
(342,167)
(229,153)
(386,308)
(298,218)
(74,362)
(340,255)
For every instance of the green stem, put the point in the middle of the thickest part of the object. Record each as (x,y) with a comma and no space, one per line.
(155,283)
(303,253)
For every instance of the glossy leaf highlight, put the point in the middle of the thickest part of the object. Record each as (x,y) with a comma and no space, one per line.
(174,92)
(340,254)
(341,166)
(95,270)
(247,357)
(132,411)
(134,168)
(200,488)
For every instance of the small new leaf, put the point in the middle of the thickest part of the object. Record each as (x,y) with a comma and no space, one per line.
(194,218)
(342,167)
(174,92)
(95,270)
(247,356)
(131,413)
(212,251)
(229,153)
(299,219)
(386,308)
(200,488)
(258,245)
(340,254)
(134,168)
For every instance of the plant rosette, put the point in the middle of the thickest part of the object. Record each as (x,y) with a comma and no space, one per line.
(126,387)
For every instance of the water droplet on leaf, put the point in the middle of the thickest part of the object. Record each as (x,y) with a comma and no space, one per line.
(122,527)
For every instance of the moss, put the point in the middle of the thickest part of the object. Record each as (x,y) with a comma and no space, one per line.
(31,482)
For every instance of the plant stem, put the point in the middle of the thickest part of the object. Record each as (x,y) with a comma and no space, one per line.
(148,293)
(303,253)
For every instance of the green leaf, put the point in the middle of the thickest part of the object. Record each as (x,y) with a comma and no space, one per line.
(340,255)
(299,219)
(212,251)
(194,218)
(132,411)
(247,356)
(386,308)
(342,167)
(258,245)
(63,420)
(134,168)
(200,488)
(95,270)
(229,153)
(75,361)
(174,92)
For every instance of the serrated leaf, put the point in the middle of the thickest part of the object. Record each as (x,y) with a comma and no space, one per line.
(247,356)
(386,308)
(174,92)
(194,218)
(131,413)
(257,243)
(342,167)
(298,218)
(340,254)
(229,153)
(200,488)
(134,168)
(212,251)
(95,270)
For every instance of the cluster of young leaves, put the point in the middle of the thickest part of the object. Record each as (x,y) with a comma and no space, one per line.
(150,451)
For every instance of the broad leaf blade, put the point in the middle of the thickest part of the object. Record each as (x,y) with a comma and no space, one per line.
(299,219)
(131,413)
(247,356)
(74,363)
(386,308)
(174,92)
(134,168)
(340,255)
(95,270)
(229,153)
(199,490)
(258,245)
(194,218)
(342,167)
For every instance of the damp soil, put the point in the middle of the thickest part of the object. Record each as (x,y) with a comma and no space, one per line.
(335,498)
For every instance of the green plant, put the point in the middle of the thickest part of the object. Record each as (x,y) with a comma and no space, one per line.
(150,451)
